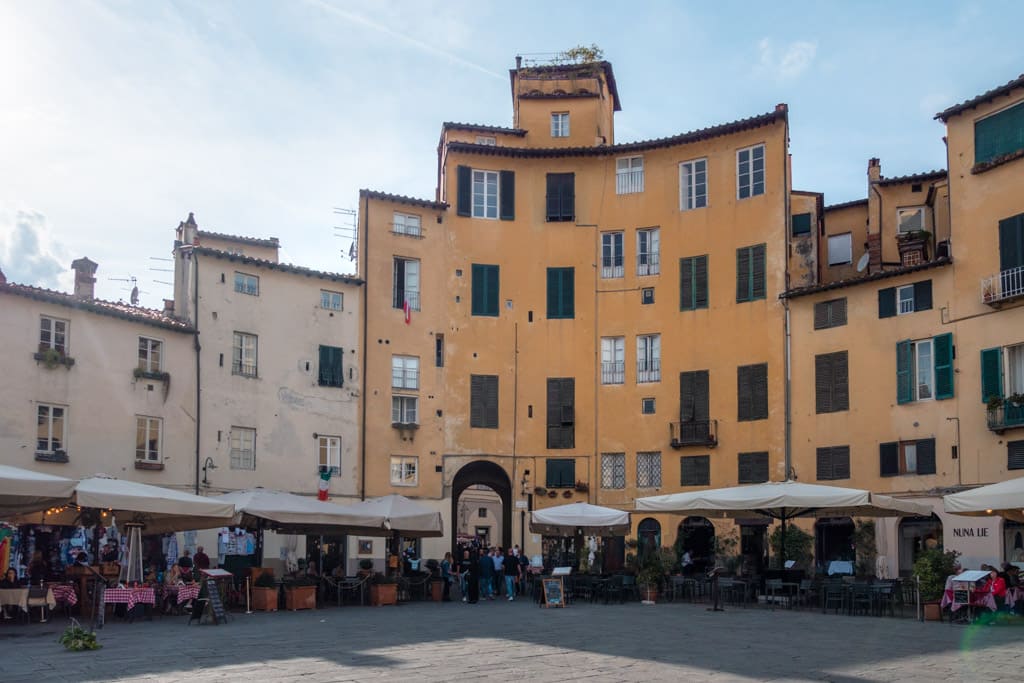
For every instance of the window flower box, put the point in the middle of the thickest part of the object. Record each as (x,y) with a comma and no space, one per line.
(51,358)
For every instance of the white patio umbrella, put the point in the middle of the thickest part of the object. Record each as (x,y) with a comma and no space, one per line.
(400,515)
(594,520)
(1005,499)
(23,491)
(261,508)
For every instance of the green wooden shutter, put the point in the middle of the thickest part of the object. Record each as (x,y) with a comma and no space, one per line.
(686,285)
(507,192)
(339,373)
(757,272)
(700,282)
(999,134)
(568,292)
(923,295)
(554,420)
(742,274)
(926,456)
(324,367)
(942,346)
(801,224)
(478,285)
(568,191)
(553,286)
(991,374)
(491,402)
(840,462)
(464,191)
(904,372)
(493,290)
(887,302)
(889,459)
(1011,242)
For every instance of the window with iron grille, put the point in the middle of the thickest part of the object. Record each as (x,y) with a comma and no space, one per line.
(695,470)
(648,358)
(648,470)
(648,245)
(629,175)
(243,354)
(613,470)
(613,364)
(405,224)
(243,448)
(247,284)
(611,255)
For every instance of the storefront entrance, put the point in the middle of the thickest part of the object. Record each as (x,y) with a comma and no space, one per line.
(833,541)
(915,535)
(696,535)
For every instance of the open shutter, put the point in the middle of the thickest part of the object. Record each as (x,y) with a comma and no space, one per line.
(923,295)
(757,274)
(743,274)
(889,459)
(823,383)
(686,284)
(991,374)
(507,193)
(904,373)
(700,285)
(824,462)
(926,456)
(943,352)
(324,366)
(463,190)
(887,302)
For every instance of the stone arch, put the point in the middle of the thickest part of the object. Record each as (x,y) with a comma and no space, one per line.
(493,476)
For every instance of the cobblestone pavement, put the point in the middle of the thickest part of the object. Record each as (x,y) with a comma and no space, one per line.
(518,641)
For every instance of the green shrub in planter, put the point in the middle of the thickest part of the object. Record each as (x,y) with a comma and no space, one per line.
(265,580)
(77,639)
(932,567)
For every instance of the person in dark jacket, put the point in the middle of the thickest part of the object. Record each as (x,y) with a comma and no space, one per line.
(485,566)
(511,569)
(473,577)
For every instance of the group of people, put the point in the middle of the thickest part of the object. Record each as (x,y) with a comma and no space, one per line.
(482,573)
(1001,583)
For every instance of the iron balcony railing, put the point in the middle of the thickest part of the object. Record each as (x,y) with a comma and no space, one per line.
(1003,287)
(648,370)
(1007,416)
(694,433)
(628,182)
(613,372)
(243,368)
(647,263)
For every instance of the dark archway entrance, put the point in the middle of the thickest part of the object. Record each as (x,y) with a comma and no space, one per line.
(833,541)
(487,474)
(696,535)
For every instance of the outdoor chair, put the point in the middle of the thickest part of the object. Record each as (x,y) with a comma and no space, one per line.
(883,598)
(629,587)
(37,598)
(807,592)
(860,599)
(832,596)
(775,590)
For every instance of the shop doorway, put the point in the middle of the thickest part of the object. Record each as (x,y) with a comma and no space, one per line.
(696,535)
(481,486)
(833,541)
(753,549)
(1013,541)
(326,554)
(648,537)
(915,535)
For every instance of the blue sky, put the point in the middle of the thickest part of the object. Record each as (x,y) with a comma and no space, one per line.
(117,118)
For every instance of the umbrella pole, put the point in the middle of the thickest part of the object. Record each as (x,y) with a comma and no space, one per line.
(782,561)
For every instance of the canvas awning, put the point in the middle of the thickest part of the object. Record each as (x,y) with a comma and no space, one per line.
(291,513)
(23,491)
(401,515)
(594,520)
(1005,499)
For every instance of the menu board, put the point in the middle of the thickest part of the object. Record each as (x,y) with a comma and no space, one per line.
(216,606)
(554,593)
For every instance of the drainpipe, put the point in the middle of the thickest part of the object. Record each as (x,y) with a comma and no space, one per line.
(787,339)
(366,284)
(198,348)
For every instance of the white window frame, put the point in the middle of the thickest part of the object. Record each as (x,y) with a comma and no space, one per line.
(148,427)
(1013,369)
(613,471)
(908,457)
(693,192)
(328,452)
(609,269)
(245,354)
(559,124)
(331,300)
(406,224)
(404,409)
(924,366)
(613,360)
(405,470)
(151,354)
(653,403)
(486,194)
(648,358)
(629,175)
(749,178)
(405,372)
(653,471)
(52,328)
(247,283)
(488,140)
(905,299)
(648,257)
(839,239)
(52,439)
(242,443)
(908,211)
(411,286)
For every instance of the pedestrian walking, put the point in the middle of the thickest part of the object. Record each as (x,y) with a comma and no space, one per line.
(511,567)
(499,560)
(446,575)
(473,579)
(485,569)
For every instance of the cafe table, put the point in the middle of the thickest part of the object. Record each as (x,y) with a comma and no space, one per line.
(130,597)
(64,594)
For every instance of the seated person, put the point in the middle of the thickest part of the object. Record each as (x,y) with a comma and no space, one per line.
(10,580)
(997,587)
(957,570)
(110,552)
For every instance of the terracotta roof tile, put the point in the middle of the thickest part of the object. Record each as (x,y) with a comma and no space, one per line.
(402,199)
(478,128)
(273,265)
(937,174)
(844,205)
(554,68)
(116,309)
(255,241)
(883,275)
(981,99)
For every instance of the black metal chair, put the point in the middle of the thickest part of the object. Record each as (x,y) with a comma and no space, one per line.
(832,596)
(861,601)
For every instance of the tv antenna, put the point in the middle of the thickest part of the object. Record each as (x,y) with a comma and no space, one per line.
(134,297)
(348,230)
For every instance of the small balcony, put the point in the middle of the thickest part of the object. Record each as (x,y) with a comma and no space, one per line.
(613,372)
(1008,414)
(648,370)
(694,433)
(1007,286)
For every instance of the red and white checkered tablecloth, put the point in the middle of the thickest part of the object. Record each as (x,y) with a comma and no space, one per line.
(65,594)
(130,596)
(189,591)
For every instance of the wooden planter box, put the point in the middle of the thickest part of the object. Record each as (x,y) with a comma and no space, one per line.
(932,611)
(649,593)
(436,590)
(255,572)
(383,594)
(300,597)
(264,599)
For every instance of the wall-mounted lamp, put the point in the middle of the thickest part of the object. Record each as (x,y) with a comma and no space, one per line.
(208,465)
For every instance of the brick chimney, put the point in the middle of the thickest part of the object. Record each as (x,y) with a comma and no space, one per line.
(169,307)
(85,280)
(874,169)
(187,229)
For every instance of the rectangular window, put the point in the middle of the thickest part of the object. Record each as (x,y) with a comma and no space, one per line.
(648,358)
(561,418)
(613,364)
(693,283)
(247,284)
(243,448)
(329,370)
(53,334)
(485,294)
(561,296)
(924,369)
(403,410)
(329,453)
(561,196)
(906,299)
(830,314)
(243,354)
(629,175)
(648,470)
(481,512)
(910,220)
(831,382)
(647,406)
(801,224)
(611,255)
(750,172)
(840,249)
(647,296)
(613,470)
(331,301)
(833,463)
(693,184)
(907,457)
(753,467)
(750,273)
(483,401)
(404,470)
(695,470)
(485,194)
(439,350)
(648,245)
(50,429)
(147,438)
(405,224)
(561,473)
(150,354)
(1000,134)
(405,372)
(694,396)
(752,392)
(488,140)
(406,283)
(560,124)
(1015,455)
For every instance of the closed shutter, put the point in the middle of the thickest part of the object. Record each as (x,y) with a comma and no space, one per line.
(554,282)
(753,467)
(923,295)
(823,383)
(507,192)
(991,374)
(1011,242)
(757,272)
(942,346)
(483,401)
(752,392)
(324,367)
(695,470)
(568,293)
(478,285)
(686,284)
(561,473)
(801,224)
(700,282)
(840,381)
(329,368)
(1015,455)
(837,310)
(887,302)
(926,456)
(999,134)
(463,190)
(554,417)
(889,459)
(743,274)
(904,372)
(840,462)
(693,396)
(824,462)
(821,315)
(476,401)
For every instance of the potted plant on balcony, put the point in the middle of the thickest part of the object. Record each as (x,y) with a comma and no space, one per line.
(931,568)
(383,590)
(264,592)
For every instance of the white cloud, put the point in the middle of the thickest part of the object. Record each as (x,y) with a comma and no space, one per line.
(28,253)
(787,62)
